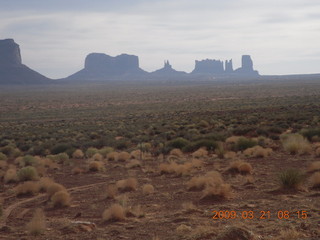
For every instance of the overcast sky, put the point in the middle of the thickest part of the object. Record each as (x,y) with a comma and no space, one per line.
(282,36)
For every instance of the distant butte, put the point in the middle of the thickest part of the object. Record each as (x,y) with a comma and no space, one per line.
(12,71)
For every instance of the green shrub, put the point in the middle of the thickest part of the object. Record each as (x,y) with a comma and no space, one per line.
(291,178)
(177,143)
(91,151)
(310,133)
(27,173)
(60,148)
(243,143)
(29,160)
(3,156)
(210,145)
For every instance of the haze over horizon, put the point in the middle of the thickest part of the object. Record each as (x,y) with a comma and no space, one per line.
(55,36)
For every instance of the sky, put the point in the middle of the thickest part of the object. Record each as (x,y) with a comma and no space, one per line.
(55,36)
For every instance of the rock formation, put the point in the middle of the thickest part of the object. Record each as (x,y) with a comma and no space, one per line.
(99,66)
(167,70)
(12,71)
(246,66)
(208,66)
(228,66)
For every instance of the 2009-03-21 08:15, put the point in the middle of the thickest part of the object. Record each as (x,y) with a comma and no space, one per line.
(281,214)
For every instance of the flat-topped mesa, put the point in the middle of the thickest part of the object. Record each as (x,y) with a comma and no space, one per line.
(9,53)
(246,66)
(113,65)
(208,66)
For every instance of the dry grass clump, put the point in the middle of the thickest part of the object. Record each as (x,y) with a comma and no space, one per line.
(45,183)
(317,152)
(133,164)
(136,154)
(135,211)
(11,176)
(200,183)
(197,163)
(111,191)
(295,144)
(77,171)
(257,151)
(61,199)
(241,167)
(27,188)
(3,164)
(147,189)
(313,167)
(315,180)
(112,156)
(291,178)
(123,156)
(178,169)
(200,153)
(125,185)
(78,154)
(232,140)
(115,213)
(53,188)
(230,155)
(289,234)
(37,225)
(96,166)
(176,152)
(97,157)
(217,191)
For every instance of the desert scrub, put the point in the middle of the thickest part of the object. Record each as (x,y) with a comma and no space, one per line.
(3,156)
(37,225)
(200,153)
(114,213)
(243,143)
(10,176)
(241,167)
(96,166)
(27,188)
(291,178)
(313,167)
(125,185)
(147,189)
(61,199)
(91,151)
(27,173)
(177,143)
(78,154)
(315,180)
(257,151)
(295,144)
(123,156)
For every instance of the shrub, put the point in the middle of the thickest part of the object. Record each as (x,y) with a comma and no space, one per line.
(123,156)
(97,157)
(29,160)
(178,169)
(291,178)
(116,213)
(209,144)
(37,225)
(10,175)
(313,167)
(177,143)
(96,166)
(91,151)
(176,152)
(147,189)
(27,173)
(136,154)
(289,234)
(3,165)
(77,170)
(295,144)
(257,151)
(311,133)
(197,163)
(240,166)
(61,199)
(217,191)
(317,152)
(315,180)
(111,191)
(125,185)
(200,153)
(78,154)
(61,157)
(3,156)
(53,188)
(133,164)
(60,148)
(199,183)
(45,183)
(113,156)
(105,150)
(243,143)
(27,188)
(230,155)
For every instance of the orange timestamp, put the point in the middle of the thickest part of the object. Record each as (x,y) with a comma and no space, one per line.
(281,214)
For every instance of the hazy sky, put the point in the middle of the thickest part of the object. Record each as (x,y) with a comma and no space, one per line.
(282,36)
